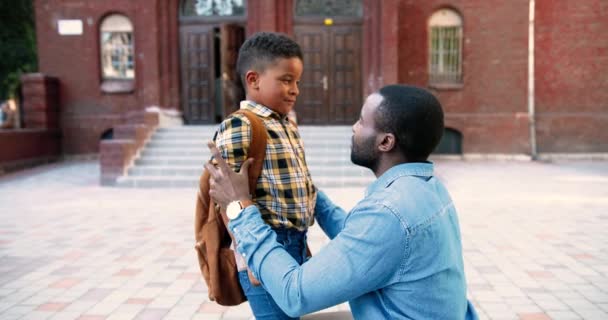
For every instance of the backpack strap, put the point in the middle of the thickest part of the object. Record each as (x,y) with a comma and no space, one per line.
(257,147)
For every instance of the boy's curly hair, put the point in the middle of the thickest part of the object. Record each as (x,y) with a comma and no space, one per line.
(262,49)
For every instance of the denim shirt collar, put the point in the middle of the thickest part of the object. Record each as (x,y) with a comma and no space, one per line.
(419,169)
(260,109)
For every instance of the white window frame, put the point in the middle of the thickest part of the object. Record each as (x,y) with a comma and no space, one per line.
(117,48)
(445,47)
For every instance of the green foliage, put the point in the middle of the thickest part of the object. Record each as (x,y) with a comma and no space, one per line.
(17,44)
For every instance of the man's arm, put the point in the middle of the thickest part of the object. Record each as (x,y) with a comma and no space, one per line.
(329,216)
(363,257)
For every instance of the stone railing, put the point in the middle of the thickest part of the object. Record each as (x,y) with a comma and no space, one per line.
(116,155)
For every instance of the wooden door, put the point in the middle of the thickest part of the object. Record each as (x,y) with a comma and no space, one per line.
(313,97)
(197,73)
(232,37)
(330,88)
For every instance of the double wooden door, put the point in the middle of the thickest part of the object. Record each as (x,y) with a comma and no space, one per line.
(208,56)
(330,88)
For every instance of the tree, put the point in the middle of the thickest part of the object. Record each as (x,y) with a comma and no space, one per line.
(17,44)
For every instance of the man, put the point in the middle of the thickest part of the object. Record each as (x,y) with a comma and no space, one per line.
(397,254)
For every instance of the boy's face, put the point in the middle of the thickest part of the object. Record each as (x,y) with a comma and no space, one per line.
(277,86)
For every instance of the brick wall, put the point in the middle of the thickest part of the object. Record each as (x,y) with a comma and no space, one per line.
(25,147)
(41,139)
(87,111)
(572,75)
(489,110)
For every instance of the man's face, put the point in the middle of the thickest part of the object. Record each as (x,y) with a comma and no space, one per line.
(278,85)
(364,150)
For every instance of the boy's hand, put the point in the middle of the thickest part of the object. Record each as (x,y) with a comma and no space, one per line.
(226,185)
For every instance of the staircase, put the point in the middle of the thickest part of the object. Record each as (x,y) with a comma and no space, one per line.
(174,158)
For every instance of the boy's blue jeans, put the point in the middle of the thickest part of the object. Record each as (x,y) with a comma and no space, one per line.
(262,304)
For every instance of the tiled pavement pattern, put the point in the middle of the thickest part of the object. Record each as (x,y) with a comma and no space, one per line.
(535,243)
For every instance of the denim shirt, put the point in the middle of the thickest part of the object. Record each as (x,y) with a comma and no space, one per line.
(396,255)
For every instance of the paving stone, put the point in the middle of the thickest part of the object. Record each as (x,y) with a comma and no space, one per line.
(535,246)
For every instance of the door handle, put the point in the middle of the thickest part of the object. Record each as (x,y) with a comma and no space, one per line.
(324,81)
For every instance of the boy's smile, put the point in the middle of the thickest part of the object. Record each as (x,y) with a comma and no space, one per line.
(277,86)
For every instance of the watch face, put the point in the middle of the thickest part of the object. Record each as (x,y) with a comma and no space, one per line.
(233,210)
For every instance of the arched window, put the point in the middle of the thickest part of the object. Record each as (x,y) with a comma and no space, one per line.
(117,56)
(445,47)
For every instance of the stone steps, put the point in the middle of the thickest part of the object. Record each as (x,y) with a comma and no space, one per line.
(174,158)
(187,171)
(198,160)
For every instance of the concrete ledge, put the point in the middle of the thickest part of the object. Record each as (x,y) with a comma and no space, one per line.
(26,164)
(80,157)
(482,156)
(599,156)
(591,156)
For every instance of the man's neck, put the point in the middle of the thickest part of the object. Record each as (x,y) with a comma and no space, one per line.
(388,161)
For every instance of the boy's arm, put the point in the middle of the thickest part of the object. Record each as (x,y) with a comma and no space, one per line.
(329,216)
(233,140)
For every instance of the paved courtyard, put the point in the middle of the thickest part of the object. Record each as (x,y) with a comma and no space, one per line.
(535,243)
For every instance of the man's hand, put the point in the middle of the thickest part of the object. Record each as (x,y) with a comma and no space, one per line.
(226,185)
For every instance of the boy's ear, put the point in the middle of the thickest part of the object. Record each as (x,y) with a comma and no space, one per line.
(388,142)
(252,79)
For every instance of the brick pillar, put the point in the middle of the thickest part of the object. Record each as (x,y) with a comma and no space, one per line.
(40,101)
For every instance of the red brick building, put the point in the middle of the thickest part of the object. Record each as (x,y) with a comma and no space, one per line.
(116,56)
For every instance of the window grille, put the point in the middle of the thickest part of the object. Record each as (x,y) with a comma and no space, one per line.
(210,8)
(445,48)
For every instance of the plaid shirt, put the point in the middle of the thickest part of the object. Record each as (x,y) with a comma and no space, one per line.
(285,193)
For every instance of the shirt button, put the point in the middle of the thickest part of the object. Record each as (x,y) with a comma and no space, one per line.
(243,255)
(234,230)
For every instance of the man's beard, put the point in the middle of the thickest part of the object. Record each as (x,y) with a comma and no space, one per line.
(364,154)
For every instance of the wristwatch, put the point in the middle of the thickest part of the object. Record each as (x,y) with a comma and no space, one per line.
(234,208)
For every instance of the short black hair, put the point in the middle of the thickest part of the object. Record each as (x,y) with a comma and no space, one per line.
(262,49)
(414,116)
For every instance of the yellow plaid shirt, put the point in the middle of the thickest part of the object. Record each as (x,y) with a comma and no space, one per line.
(285,193)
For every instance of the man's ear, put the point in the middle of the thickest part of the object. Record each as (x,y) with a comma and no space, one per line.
(388,142)
(252,79)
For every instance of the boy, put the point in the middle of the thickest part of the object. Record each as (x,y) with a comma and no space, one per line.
(270,66)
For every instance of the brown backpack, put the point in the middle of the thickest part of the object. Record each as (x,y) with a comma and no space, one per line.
(215,258)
